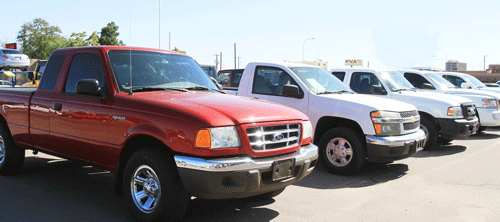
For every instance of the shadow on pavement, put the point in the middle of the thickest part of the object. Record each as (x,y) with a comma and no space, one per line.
(440,150)
(493,128)
(247,209)
(53,189)
(370,175)
(483,135)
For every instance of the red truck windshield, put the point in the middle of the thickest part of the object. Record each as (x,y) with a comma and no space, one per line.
(156,69)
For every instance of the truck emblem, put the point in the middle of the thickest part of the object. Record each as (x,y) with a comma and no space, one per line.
(278,137)
(119,118)
(412,119)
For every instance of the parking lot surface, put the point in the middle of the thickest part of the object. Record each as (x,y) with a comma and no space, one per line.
(454,182)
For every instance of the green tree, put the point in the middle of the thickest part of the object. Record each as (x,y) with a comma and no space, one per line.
(109,34)
(178,50)
(80,39)
(38,39)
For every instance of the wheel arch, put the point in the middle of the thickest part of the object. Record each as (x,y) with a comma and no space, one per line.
(329,122)
(132,145)
(431,118)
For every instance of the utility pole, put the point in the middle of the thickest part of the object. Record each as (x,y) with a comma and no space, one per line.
(220,60)
(169,40)
(216,61)
(239,61)
(235,55)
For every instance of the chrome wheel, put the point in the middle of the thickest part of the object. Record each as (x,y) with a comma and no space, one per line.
(425,131)
(146,189)
(2,150)
(339,152)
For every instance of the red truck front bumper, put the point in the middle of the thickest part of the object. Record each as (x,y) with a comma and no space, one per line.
(240,177)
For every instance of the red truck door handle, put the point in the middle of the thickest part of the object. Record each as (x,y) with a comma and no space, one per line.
(57,106)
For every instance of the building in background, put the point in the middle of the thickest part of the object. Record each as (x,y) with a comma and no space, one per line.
(322,64)
(454,65)
(494,68)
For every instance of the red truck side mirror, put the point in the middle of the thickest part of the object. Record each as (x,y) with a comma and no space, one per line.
(88,87)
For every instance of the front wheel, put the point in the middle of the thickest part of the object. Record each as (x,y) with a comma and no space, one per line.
(11,156)
(431,132)
(341,151)
(152,187)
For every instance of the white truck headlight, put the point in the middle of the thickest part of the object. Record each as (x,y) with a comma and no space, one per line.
(490,103)
(386,123)
(308,130)
(218,138)
(455,111)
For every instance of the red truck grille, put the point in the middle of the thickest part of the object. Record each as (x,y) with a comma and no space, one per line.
(274,136)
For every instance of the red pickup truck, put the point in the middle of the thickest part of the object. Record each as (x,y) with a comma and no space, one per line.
(157,121)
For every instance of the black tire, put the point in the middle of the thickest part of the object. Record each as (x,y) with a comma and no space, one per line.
(481,129)
(151,175)
(11,156)
(341,151)
(271,194)
(431,132)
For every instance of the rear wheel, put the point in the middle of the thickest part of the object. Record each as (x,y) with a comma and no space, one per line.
(341,151)
(431,132)
(152,187)
(11,156)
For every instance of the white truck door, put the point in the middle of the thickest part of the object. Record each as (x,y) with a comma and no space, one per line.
(268,85)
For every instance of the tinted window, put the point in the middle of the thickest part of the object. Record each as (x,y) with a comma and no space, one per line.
(457,81)
(236,77)
(361,82)
(270,81)
(223,78)
(51,72)
(339,75)
(85,66)
(416,80)
(10,51)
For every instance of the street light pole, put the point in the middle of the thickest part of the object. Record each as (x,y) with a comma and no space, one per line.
(303,45)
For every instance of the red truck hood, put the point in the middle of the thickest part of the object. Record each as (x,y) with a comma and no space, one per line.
(220,109)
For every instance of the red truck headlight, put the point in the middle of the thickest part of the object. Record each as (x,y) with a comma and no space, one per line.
(217,138)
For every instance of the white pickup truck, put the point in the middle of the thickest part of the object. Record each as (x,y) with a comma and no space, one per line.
(349,128)
(466,81)
(443,117)
(486,102)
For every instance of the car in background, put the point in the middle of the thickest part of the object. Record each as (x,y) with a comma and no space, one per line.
(13,59)
(210,70)
(223,77)
(492,85)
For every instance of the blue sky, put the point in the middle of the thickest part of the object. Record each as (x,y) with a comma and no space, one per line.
(382,33)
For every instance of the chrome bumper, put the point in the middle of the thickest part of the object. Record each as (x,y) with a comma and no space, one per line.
(303,154)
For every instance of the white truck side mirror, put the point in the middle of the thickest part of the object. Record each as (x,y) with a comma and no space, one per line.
(465,85)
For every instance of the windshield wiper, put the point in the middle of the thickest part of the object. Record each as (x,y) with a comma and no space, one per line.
(399,90)
(326,92)
(202,88)
(343,91)
(155,88)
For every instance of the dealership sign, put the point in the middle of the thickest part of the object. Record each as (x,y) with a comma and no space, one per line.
(11,45)
(354,62)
